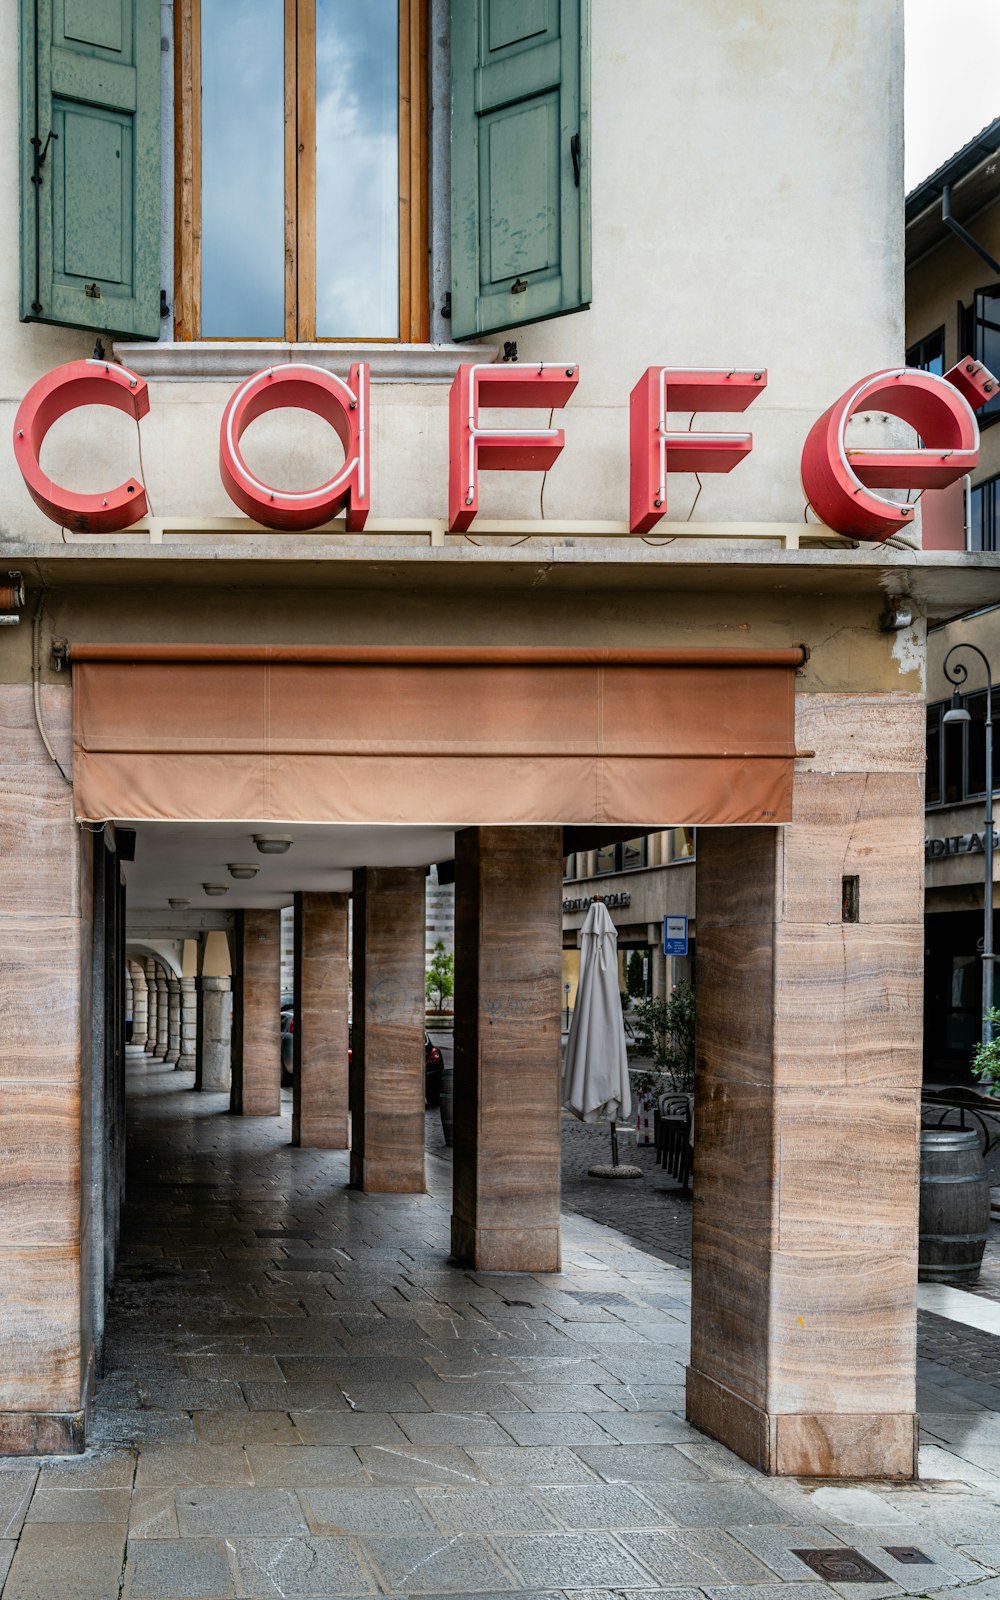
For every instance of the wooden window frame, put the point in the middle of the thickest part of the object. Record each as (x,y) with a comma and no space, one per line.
(300,174)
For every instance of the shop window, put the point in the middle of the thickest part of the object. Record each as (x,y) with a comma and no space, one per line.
(956,754)
(569,867)
(300,167)
(682,844)
(984,512)
(928,353)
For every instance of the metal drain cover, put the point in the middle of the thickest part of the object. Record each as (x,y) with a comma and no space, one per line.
(841,1566)
(908,1554)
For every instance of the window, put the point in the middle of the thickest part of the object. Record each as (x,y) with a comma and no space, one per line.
(932,793)
(928,353)
(982,339)
(301,167)
(682,844)
(324,103)
(956,753)
(624,857)
(984,510)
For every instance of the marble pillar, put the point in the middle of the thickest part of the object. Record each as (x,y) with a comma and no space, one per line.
(256,1050)
(807,1107)
(508,959)
(387,1051)
(320,1036)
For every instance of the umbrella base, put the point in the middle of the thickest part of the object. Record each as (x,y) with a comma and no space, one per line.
(614,1172)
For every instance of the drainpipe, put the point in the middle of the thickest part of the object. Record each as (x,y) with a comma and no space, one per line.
(963,233)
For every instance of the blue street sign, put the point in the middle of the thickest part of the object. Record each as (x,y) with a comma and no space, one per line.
(675,936)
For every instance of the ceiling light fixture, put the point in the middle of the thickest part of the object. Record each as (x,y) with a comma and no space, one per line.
(241,870)
(178,903)
(216,888)
(272,844)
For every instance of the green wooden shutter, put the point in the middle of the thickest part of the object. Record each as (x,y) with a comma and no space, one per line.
(90,224)
(520,232)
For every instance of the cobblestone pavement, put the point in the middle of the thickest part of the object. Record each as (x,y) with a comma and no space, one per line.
(303,1398)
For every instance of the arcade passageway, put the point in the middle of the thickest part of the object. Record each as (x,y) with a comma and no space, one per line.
(302,1397)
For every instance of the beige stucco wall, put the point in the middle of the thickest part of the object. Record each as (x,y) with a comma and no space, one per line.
(714,244)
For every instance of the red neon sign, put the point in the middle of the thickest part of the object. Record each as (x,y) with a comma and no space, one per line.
(839,479)
(79,383)
(500,449)
(655,451)
(307,388)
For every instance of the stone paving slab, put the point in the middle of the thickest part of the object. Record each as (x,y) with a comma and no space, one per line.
(79,1505)
(557,1559)
(181,1569)
(493,1510)
(231,1512)
(426,1563)
(351,1511)
(67,1561)
(313,1568)
(443,1427)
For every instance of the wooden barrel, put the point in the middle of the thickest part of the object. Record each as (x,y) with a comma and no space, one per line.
(448,1104)
(954,1205)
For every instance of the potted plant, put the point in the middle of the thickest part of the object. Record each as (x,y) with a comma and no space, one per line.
(986,1061)
(665,1035)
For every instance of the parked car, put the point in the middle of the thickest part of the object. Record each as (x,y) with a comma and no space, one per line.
(287,1029)
(433,1068)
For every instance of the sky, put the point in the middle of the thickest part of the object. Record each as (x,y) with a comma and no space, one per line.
(952,78)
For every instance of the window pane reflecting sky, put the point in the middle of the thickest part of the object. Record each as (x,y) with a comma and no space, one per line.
(357,169)
(243,169)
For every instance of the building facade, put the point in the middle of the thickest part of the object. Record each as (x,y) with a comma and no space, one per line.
(255,692)
(953,306)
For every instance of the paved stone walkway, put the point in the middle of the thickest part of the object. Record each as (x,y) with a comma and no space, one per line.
(303,1398)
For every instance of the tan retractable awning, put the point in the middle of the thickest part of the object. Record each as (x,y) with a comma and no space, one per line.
(449,735)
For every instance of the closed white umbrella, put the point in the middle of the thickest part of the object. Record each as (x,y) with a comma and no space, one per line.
(595,1071)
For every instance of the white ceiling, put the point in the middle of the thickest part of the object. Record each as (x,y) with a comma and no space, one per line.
(174,859)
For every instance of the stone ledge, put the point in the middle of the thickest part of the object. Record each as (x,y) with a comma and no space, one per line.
(217,360)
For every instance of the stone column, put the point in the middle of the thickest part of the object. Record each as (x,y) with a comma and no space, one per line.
(320,1037)
(508,936)
(129,998)
(188,1023)
(807,1108)
(152,1005)
(214,1040)
(256,1090)
(387,1053)
(140,1014)
(51,1256)
(173,1020)
(162,1015)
